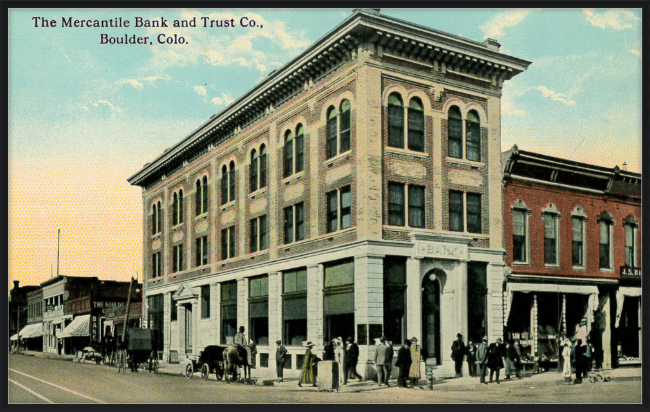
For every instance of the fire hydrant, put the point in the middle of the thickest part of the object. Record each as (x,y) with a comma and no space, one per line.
(430,365)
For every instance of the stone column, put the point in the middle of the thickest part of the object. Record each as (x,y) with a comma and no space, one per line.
(368,303)
(275,313)
(242,304)
(315,279)
(217,300)
(462,307)
(414,299)
(181,331)
(215,316)
(607,332)
(494,308)
(167,318)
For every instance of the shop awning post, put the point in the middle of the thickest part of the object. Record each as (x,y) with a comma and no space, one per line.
(128,305)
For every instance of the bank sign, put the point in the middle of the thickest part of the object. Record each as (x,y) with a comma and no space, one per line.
(630,272)
(441,250)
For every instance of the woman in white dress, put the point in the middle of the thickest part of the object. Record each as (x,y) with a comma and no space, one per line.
(339,352)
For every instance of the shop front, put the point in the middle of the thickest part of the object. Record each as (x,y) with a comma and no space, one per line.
(77,334)
(628,325)
(31,337)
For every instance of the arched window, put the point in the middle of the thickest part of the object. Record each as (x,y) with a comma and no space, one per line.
(180,206)
(198,199)
(154,219)
(175,210)
(159,217)
(416,125)
(332,132)
(473,136)
(395,121)
(231,180)
(254,168)
(345,126)
(288,153)
(204,194)
(224,185)
(455,121)
(606,223)
(300,148)
(262,166)
(631,227)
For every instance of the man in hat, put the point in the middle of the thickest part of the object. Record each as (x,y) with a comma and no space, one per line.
(482,358)
(240,338)
(350,360)
(328,350)
(403,363)
(458,354)
(280,359)
(389,360)
(380,361)
(416,355)
(496,358)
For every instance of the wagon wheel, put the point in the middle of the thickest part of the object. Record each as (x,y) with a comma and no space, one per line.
(189,370)
(205,372)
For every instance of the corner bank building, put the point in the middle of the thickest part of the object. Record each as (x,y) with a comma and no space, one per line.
(356,191)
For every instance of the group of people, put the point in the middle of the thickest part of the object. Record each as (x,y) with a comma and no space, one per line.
(494,357)
(578,354)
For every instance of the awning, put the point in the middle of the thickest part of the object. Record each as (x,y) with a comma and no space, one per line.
(527,287)
(630,291)
(78,327)
(32,331)
(14,337)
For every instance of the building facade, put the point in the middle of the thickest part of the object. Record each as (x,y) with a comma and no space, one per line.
(573,236)
(18,309)
(35,320)
(354,192)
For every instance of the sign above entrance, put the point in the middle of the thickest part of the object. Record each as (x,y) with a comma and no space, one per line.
(630,272)
(441,250)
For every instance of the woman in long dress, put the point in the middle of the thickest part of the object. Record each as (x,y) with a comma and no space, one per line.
(339,353)
(566,355)
(307,374)
(416,354)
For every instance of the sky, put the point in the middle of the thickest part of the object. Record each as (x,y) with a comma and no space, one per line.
(84,116)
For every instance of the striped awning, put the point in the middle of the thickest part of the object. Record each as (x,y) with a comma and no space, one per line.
(80,326)
(32,331)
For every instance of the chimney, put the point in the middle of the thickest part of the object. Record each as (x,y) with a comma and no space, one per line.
(491,44)
(624,167)
(16,282)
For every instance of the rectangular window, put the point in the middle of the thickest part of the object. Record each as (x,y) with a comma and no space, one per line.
(550,240)
(300,153)
(258,293)
(174,310)
(332,141)
(253,236)
(300,221)
(474,213)
(228,312)
(346,207)
(416,206)
(455,138)
(224,188)
(473,141)
(253,174)
(288,224)
(232,245)
(154,265)
(604,245)
(338,298)
(345,131)
(263,169)
(205,301)
(456,222)
(332,210)
(224,244)
(201,251)
(197,252)
(629,246)
(294,311)
(578,242)
(288,158)
(205,195)
(262,235)
(416,130)
(519,236)
(232,179)
(396,126)
(396,204)
(175,211)
(177,256)
(156,319)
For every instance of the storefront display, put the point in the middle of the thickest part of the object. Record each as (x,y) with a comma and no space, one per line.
(628,325)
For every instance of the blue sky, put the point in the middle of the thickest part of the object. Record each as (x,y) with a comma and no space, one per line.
(84,116)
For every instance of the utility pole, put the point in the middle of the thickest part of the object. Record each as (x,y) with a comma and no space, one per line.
(58,247)
(128,306)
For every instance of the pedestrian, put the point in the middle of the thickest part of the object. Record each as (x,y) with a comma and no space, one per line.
(471,358)
(512,361)
(482,358)
(416,355)
(389,360)
(458,354)
(280,359)
(496,355)
(579,351)
(588,356)
(253,354)
(403,363)
(380,361)
(339,354)
(328,350)
(350,360)
(566,357)
(307,373)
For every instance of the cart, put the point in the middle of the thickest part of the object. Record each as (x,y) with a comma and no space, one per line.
(210,360)
(139,349)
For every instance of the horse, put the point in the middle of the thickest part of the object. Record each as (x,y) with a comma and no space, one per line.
(234,357)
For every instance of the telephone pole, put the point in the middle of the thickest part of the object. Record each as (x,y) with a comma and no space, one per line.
(58,247)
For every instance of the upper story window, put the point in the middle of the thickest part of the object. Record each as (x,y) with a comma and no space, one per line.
(455,133)
(339,209)
(338,129)
(465,211)
(201,200)
(258,234)
(177,258)
(416,125)
(258,169)
(228,183)
(578,244)
(398,198)
(395,121)
(631,227)
(156,218)
(228,244)
(606,223)
(551,219)
(156,265)
(294,151)
(294,223)
(473,136)
(520,232)
(201,251)
(178,208)
(205,301)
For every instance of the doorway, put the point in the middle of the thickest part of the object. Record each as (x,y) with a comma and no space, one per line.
(431,315)
(188,328)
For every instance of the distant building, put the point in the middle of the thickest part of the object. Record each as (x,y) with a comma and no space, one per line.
(34,340)
(18,309)
(572,234)
(354,192)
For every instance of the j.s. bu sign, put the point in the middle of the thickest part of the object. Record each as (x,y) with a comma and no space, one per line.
(630,272)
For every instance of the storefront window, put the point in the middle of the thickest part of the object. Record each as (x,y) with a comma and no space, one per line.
(395,298)
(477,300)
(156,319)
(294,309)
(258,302)
(339,299)
(228,312)
(628,330)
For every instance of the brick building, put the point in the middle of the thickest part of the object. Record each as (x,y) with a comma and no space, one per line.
(572,233)
(362,175)
(18,309)
(34,341)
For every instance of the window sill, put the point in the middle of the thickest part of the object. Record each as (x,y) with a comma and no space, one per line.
(256,193)
(253,255)
(520,263)
(465,162)
(156,236)
(580,268)
(607,270)
(202,216)
(337,232)
(339,156)
(227,205)
(407,152)
(287,246)
(177,227)
(476,235)
(551,266)
(293,177)
(403,228)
